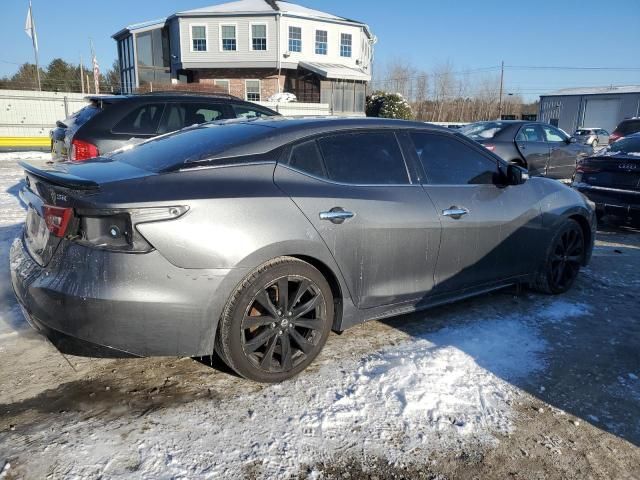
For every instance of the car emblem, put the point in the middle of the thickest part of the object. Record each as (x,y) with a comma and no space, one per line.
(628,166)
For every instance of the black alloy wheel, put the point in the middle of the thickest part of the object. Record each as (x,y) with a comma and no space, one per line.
(277,321)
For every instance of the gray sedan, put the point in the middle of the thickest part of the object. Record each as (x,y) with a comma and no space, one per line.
(254,239)
(541,148)
(596,137)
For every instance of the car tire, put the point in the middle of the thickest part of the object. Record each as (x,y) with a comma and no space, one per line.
(562,261)
(594,144)
(276,321)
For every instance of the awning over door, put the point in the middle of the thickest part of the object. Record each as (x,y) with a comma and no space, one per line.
(335,71)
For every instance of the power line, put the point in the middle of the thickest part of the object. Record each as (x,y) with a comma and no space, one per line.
(556,67)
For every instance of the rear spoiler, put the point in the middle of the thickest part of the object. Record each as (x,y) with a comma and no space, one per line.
(58,177)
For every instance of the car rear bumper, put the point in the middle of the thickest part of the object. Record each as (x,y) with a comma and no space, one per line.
(612,201)
(136,304)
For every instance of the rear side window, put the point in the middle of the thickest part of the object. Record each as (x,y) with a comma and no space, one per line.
(243,111)
(448,161)
(530,133)
(306,158)
(142,120)
(371,158)
(181,115)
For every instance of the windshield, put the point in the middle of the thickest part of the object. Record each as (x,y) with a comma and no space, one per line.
(627,146)
(583,132)
(204,142)
(483,130)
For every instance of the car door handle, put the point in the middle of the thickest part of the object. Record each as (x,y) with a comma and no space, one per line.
(455,212)
(336,215)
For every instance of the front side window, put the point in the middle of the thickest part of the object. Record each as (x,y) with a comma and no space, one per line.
(553,135)
(228,37)
(345,45)
(321,42)
(199,38)
(295,39)
(371,158)
(306,158)
(448,161)
(143,120)
(258,37)
(252,88)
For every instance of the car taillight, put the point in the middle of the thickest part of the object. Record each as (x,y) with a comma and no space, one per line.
(116,230)
(57,219)
(614,137)
(81,150)
(582,168)
(489,146)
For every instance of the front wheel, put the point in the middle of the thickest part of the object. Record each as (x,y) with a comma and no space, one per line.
(276,322)
(563,260)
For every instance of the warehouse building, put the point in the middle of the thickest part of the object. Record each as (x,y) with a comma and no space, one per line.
(601,107)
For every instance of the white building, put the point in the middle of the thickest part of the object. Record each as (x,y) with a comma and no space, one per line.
(253,49)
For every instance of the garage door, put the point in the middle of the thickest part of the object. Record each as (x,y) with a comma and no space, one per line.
(602,113)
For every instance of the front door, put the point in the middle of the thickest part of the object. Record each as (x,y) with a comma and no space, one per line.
(563,153)
(485,227)
(356,191)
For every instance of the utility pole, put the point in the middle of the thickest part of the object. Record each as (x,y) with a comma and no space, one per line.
(501,85)
(82,75)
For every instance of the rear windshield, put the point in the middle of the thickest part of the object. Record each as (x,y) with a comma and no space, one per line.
(628,127)
(628,145)
(195,144)
(483,130)
(82,116)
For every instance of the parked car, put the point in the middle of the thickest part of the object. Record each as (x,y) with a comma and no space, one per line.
(611,179)
(110,122)
(626,127)
(256,238)
(541,148)
(592,136)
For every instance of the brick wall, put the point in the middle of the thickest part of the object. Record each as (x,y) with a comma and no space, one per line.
(237,76)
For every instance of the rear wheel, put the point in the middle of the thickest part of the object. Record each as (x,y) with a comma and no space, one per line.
(277,321)
(563,260)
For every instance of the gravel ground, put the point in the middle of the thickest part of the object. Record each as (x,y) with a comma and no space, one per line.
(508,385)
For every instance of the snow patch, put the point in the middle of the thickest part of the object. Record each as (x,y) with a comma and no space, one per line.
(14,156)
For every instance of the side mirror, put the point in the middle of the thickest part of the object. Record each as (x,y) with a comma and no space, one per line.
(516,175)
(572,140)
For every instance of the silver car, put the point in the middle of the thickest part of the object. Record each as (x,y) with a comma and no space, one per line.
(596,137)
(255,239)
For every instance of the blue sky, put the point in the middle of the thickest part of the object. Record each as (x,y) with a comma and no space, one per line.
(471,34)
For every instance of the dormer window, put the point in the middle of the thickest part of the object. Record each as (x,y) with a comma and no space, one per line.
(198,38)
(321,42)
(228,38)
(258,36)
(295,39)
(345,44)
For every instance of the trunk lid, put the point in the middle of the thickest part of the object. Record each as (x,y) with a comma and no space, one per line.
(614,171)
(63,186)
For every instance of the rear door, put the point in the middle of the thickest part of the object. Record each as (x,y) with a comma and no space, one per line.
(532,146)
(355,189)
(488,231)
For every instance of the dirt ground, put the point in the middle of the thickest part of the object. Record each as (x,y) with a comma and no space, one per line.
(578,416)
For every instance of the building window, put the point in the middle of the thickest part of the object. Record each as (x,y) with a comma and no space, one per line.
(258,37)
(199,38)
(295,39)
(223,84)
(345,44)
(252,89)
(228,38)
(321,42)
